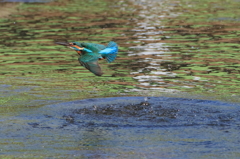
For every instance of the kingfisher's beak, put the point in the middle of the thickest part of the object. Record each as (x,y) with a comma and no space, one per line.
(62,43)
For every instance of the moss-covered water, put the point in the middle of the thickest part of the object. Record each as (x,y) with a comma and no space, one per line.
(167,48)
(30,59)
(164,48)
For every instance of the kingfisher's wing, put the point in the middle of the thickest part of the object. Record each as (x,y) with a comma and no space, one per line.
(90,62)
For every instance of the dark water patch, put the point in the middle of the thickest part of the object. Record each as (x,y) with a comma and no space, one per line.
(125,127)
(158,112)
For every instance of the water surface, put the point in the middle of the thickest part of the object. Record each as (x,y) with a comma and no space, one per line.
(183,49)
(125,127)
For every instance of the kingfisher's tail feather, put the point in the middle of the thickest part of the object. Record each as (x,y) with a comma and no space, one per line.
(111,57)
(110,52)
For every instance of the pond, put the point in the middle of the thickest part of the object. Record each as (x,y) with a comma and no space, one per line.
(178,55)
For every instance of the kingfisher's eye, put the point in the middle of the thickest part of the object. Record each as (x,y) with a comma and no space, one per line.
(74,44)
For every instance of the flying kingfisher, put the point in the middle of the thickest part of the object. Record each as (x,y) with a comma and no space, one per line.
(90,53)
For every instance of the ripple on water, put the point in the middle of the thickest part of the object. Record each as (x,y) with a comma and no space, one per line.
(153,126)
(155,112)
(137,112)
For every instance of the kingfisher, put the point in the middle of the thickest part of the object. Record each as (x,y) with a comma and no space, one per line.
(90,53)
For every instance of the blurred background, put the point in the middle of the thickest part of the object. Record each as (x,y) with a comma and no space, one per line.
(170,48)
(165,46)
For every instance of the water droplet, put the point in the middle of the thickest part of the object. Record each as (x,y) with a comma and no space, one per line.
(145,99)
(94,107)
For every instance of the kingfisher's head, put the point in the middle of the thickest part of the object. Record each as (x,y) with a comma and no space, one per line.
(76,43)
(73,45)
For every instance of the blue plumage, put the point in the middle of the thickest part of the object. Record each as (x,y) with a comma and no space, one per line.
(110,52)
